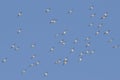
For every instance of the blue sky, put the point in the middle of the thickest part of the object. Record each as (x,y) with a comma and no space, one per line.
(71,20)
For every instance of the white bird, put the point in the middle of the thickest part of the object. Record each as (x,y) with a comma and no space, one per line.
(75,41)
(17,48)
(19,31)
(87,39)
(81,54)
(33,56)
(53,21)
(13,45)
(23,71)
(93,15)
(47,10)
(33,45)
(64,32)
(32,65)
(92,51)
(4,60)
(88,44)
(97,32)
(65,62)
(87,51)
(91,24)
(45,74)
(72,50)
(52,49)
(91,7)
(105,15)
(63,42)
(70,11)
(80,59)
(20,13)
(66,59)
(58,61)
(100,25)
(107,32)
(37,62)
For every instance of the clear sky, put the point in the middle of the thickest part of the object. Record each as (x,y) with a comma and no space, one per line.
(82,36)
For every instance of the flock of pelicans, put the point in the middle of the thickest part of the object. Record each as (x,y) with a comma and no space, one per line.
(63,42)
